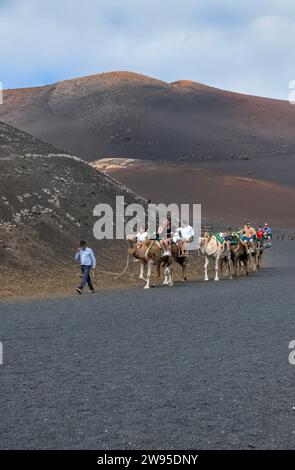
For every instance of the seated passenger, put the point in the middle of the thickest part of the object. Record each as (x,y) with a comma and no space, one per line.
(184,235)
(249,233)
(228,238)
(267,231)
(142,235)
(164,236)
(260,233)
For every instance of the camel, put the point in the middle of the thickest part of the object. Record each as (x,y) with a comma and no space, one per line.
(259,253)
(210,247)
(149,253)
(181,260)
(238,257)
(255,255)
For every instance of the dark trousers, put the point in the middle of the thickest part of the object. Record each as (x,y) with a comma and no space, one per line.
(86,277)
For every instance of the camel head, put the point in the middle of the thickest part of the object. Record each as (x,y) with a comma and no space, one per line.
(203,241)
(132,244)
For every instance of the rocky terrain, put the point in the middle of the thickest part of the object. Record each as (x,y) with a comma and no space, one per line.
(127,115)
(46,207)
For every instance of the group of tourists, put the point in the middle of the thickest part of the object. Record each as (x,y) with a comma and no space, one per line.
(166,234)
(249,235)
(183,235)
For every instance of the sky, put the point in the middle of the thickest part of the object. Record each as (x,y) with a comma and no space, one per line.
(238,45)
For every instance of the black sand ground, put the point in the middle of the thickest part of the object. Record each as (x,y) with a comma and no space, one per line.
(203,365)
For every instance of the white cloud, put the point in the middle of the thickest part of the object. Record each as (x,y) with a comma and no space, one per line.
(235,44)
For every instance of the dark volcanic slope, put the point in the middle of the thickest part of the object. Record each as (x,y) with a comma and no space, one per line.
(16,142)
(47,201)
(123,114)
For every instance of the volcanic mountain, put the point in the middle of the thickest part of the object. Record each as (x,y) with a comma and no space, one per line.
(46,206)
(122,114)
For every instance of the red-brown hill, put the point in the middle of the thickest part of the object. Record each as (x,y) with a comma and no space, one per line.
(122,114)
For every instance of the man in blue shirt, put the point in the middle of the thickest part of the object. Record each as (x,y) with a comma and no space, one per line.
(87,261)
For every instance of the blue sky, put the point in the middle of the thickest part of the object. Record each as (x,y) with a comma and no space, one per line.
(244,46)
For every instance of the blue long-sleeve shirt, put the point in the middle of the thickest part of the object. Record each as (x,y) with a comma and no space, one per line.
(86,257)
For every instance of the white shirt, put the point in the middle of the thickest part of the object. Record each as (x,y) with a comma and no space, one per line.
(187,232)
(86,257)
(142,236)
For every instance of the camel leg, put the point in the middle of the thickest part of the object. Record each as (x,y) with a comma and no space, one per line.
(166,280)
(149,274)
(226,263)
(248,263)
(217,268)
(259,260)
(245,263)
(170,276)
(141,274)
(254,262)
(206,278)
(159,270)
(230,267)
(235,267)
(184,276)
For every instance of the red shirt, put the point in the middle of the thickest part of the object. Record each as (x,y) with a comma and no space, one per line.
(260,234)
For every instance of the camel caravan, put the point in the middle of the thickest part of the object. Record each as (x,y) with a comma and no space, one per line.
(231,251)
